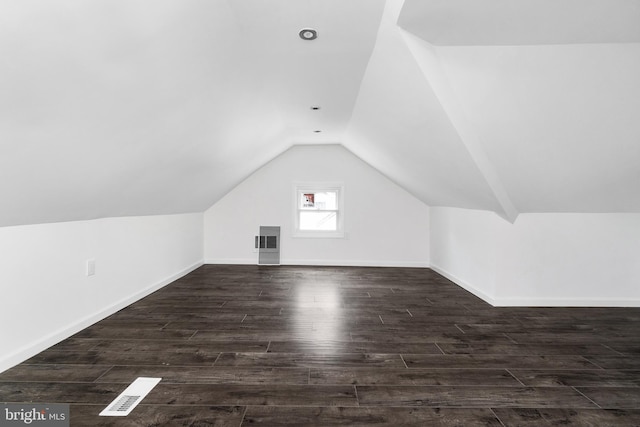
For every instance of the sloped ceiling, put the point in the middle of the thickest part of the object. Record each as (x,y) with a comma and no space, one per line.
(548,90)
(138,107)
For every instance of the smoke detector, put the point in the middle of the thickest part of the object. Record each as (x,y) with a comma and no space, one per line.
(308,34)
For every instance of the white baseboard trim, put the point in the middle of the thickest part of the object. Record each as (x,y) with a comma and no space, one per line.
(354,263)
(55,337)
(567,302)
(538,302)
(324,262)
(234,261)
(464,284)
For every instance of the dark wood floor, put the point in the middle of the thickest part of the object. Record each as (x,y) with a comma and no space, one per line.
(309,346)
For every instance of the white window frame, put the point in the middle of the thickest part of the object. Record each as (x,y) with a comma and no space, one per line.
(318,187)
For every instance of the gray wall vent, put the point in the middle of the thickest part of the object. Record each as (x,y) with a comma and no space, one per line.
(268,245)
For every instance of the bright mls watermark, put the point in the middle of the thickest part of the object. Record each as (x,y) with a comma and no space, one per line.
(34,414)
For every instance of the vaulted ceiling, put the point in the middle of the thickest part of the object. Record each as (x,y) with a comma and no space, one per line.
(138,107)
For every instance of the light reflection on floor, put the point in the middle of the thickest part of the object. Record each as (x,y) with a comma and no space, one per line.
(319,303)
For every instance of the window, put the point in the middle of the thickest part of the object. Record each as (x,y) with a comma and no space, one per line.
(319,211)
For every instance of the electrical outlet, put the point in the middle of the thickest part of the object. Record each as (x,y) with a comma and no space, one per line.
(91,267)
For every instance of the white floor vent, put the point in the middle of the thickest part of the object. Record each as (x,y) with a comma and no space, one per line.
(130,397)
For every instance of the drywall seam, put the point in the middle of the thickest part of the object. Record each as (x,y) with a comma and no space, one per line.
(464,284)
(427,60)
(53,338)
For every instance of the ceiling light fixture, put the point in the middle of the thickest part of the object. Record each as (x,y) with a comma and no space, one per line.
(308,34)
(317,131)
(315,108)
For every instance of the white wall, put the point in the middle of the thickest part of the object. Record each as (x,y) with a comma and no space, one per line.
(46,295)
(464,247)
(573,259)
(385,225)
(542,259)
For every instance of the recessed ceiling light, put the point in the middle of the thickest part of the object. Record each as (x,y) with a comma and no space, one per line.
(315,108)
(308,34)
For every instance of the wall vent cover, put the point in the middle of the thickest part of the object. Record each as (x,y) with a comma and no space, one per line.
(268,245)
(130,397)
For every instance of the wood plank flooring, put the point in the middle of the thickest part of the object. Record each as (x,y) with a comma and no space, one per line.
(321,346)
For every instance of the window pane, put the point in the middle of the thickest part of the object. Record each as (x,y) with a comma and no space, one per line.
(307,200)
(325,200)
(325,221)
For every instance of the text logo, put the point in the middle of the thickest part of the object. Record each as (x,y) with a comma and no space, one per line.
(34,414)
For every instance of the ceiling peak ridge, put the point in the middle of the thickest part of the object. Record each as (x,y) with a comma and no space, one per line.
(429,64)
